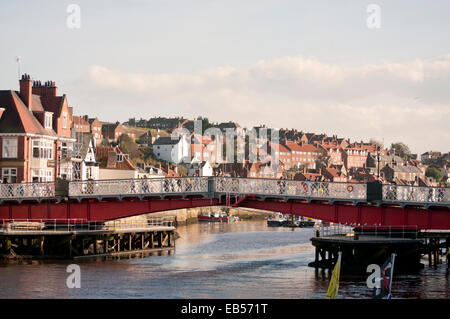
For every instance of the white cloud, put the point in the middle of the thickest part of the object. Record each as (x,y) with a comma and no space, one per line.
(407,102)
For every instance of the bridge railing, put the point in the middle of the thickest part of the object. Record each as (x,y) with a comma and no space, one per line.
(290,188)
(182,185)
(414,194)
(27,190)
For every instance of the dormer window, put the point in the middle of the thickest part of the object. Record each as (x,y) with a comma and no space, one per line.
(48,120)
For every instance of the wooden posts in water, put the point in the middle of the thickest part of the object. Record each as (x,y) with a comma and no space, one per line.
(87,244)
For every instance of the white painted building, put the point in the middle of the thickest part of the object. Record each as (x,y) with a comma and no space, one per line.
(172,150)
(203,168)
(85,164)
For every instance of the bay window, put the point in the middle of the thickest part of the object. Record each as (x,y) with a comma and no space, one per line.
(42,149)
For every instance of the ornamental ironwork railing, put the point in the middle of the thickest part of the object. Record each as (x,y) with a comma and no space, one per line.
(229,186)
(290,188)
(27,190)
(414,194)
(138,186)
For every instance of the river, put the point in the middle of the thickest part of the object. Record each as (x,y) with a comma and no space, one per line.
(246,259)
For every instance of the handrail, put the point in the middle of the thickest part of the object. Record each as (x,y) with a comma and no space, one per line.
(27,190)
(79,225)
(214,186)
(415,194)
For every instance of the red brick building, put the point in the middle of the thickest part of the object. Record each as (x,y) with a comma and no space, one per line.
(35,133)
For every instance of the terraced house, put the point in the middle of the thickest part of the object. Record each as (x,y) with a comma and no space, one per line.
(35,133)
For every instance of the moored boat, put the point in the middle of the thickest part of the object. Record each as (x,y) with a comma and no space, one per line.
(276,220)
(218,216)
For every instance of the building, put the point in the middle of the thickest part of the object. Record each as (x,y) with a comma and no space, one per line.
(354,156)
(112,131)
(373,165)
(264,170)
(281,153)
(35,133)
(428,157)
(114,164)
(199,169)
(95,129)
(302,155)
(204,148)
(149,137)
(85,167)
(80,124)
(334,175)
(172,150)
(402,174)
(164,123)
(148,171)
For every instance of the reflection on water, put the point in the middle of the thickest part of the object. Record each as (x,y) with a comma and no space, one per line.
(237,260)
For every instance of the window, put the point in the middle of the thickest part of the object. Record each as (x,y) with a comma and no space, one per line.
(9,175)
(42,149)
(48,120)
(64,120)
(9,148)
(119,158)
(41,175)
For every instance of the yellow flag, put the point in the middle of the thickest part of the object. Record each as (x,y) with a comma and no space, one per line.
(334,282)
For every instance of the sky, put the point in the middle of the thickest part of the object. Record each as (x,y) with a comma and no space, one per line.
(315,66)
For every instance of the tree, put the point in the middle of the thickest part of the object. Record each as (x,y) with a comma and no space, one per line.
(322,161)
(128,146)
(434,173)
(376,143)
(401,149)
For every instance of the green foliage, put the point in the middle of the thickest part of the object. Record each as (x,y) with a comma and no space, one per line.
(401,149)
(322,161)
(434,173)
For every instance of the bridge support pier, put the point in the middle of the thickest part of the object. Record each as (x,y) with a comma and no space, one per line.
(358,254)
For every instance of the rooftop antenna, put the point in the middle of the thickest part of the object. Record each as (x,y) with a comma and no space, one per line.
(18,60)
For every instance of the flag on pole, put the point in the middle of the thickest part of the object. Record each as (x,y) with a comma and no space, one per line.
(387,272)
(334,282)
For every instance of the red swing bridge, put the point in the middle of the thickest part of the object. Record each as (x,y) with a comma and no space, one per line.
(360,205)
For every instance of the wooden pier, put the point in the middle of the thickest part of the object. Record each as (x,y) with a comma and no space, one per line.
(33,241)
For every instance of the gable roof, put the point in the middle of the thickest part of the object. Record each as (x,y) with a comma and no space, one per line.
(17,118)
(166,140)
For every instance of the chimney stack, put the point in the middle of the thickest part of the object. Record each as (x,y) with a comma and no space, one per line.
(48,89)
(25,90)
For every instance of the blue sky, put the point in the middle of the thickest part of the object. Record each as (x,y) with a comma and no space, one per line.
(302,64)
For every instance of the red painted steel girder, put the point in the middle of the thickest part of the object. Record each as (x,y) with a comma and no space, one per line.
(110,209)
(93,210)
(358,214)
